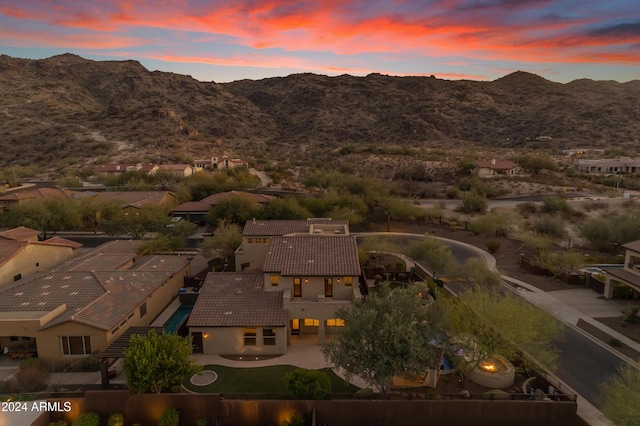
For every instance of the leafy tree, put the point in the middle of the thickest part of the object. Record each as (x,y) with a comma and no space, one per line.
(619,227)
(388,334)
(138,222)
(375,247)
(225,240)
(560,263)
(555,205)
(476,269)
(283,209)
(535,164)
(47,215)
(621,396)
(95,210)
(311,384)
(436,254)
(173,237)
(158,362)
(399,209)
(495,223)
(484,322)
(234,210)
(552,226)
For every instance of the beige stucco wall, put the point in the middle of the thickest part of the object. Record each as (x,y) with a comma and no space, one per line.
(314,286)
(252,253)
(48,340)
(230,341)
(24,262)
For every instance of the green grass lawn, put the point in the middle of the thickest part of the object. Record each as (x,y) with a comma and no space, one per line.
(261,380)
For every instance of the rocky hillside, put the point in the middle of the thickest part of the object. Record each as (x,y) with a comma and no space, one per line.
(68,110)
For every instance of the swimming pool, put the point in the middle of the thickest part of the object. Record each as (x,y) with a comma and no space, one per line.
(178,318)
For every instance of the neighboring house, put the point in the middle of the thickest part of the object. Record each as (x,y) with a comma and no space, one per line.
(220,161)
(628,275)
(112,169)
(66,314)
(21,254)
(583,151)
(495,167)
(18,197)
(257,234)
(625,165)
(307,276)
(182,170)
(133,199)
(195,211)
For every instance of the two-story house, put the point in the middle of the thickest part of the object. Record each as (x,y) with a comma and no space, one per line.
(304,278)
(628,275)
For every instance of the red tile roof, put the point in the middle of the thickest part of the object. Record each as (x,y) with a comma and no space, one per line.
(313,255)
(39,193)
(20,233)
(284,227)
(236,299)
(496,164)
(214,199)
(121,168)
(136,198)
(9,249)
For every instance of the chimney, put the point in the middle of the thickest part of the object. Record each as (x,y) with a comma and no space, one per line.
(493,161)
(254,220)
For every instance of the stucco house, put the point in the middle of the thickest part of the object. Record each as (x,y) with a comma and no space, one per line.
(257,234)
(626,165)
(495,167)
(22,196)
(181,170)
(220,161)
(86,303)
(628,275)
(21,254)
(195,211)
(113,169)
(303,271)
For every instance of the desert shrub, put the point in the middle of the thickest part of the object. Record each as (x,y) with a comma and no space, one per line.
(296,420)
(493,246)
(363,393)
(116,419)
(87,419)
(452,192)
(630,315)
(555,205)
(615,342)
(32,376)
(527,209)
(59,423)
(202,422)
(171,417)
(550,225)
(308,383)
(473,203)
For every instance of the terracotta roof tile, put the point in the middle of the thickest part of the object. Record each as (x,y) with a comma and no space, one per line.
(283,227)
(313,255)
(8,249)
(21,233)
(237,300)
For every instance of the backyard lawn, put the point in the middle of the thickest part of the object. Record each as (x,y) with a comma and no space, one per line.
(267,381)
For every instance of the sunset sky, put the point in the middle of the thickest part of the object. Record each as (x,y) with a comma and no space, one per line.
(224,41)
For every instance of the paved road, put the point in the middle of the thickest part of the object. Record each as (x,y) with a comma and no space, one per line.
(583,363)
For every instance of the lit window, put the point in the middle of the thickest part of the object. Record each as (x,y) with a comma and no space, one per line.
(309,322)
(249,336)
(348,281)
(75,345)
(249,240)
(269,336)
(336,322)
(274,280)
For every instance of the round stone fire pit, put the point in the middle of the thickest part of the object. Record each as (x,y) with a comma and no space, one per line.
(495,373)
(204,378)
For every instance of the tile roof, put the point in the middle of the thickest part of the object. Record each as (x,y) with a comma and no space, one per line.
(59,241)
(135,198)
(119,168)
(313,255)
(633,245)
(214,199)
(283,227)
(8,249)
(21,233)
(99,299)
(236,299)
(39,193)
(99,262)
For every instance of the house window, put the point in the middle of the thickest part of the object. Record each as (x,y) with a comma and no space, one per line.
(17,277)
(328,287)
(143,309)
(335,322)
(348,281)
(249,336)
(249,240)
(269,336)
(297,287)
(310,322)
(266,241)
(274,280)
(13,338)
(75,345)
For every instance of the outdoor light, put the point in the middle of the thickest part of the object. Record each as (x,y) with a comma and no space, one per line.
(488,366)
(206,335)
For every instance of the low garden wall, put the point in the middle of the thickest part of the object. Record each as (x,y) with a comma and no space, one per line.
(147,409)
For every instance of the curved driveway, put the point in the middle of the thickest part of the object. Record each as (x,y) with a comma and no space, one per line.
(584,362)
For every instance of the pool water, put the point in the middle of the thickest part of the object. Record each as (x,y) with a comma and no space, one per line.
(178,318)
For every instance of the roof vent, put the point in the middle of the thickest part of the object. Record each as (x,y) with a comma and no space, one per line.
(228,313)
